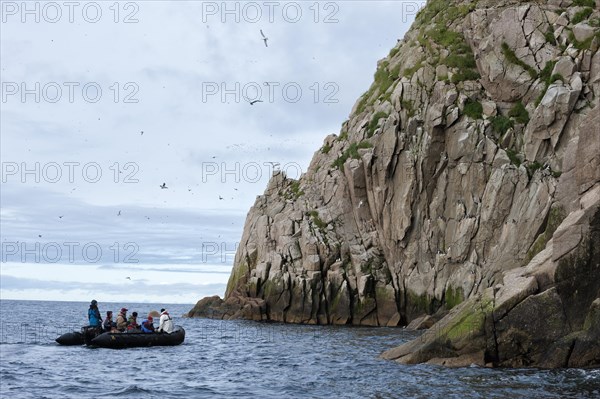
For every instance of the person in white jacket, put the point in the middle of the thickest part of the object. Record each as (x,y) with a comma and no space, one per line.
(165,323)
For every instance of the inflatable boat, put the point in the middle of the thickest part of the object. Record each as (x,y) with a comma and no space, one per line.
(139,339)
(119,340)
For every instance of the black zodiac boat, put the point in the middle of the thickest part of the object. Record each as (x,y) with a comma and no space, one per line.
(118,340)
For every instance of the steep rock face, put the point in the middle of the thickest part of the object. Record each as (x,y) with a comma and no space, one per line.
(466,180)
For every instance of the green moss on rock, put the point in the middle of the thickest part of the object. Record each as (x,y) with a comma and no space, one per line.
(473,109)
(469,321)
(420,304)
(519,112)
(453,296)
(555,217)
(374,122)
(237,274)
(501,124)
(321,225)
(350,152)
(512,58)
(583,3)
(582,15)
(513,157)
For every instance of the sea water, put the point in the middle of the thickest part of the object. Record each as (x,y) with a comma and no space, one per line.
(243,359)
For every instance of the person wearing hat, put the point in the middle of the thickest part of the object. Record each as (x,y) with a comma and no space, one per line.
(109,324)
(166,323)
(94,314)
(122,320)
(148,325)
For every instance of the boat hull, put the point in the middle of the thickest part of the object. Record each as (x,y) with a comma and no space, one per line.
(72,338)
(84,336)
(138,339)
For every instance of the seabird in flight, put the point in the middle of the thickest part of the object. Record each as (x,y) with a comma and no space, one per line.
(264,38)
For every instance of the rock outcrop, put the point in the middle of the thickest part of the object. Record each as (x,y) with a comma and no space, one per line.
(463,194)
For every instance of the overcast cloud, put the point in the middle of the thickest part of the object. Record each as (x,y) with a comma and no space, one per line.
(96,161)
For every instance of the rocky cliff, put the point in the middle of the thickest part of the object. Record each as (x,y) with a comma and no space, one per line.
(463,194)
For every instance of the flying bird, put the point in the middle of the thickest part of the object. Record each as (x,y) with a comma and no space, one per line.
(264,38)
(220,197)
(255,101)
(163,186)
(127,278)
(142,133)
(119,214)
(60,217)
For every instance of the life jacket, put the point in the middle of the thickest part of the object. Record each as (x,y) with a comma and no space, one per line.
(109,324)
(121,321)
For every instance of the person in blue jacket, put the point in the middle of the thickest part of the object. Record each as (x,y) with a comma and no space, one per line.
(94,314)
(148,325)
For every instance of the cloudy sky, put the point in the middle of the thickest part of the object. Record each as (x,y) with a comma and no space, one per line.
(102,104)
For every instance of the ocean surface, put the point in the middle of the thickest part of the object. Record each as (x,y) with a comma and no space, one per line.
(241,359)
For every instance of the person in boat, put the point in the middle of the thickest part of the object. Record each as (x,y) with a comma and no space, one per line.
(132,324)
(109,324)
(122,320)
(148,325)
(166,323)
(94,315)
